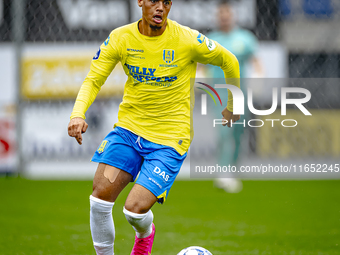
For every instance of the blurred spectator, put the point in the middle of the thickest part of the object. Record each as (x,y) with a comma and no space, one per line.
(243,44)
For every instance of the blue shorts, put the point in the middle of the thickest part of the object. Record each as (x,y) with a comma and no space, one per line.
(157,165)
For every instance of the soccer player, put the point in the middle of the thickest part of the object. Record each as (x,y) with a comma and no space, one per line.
(153,132)
(243,44)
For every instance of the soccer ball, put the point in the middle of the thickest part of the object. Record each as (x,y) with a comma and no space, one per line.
(194,250)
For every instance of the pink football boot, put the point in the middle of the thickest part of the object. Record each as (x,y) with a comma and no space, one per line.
(143,246)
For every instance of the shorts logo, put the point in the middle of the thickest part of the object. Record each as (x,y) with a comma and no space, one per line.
(158,171)
(97,55)
(168,56)
(107,41)
(102,147)
(160,186)
(200,38)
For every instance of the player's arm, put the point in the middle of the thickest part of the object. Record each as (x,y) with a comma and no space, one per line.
(230,66)
(87,94)
(211,52)
(102,65)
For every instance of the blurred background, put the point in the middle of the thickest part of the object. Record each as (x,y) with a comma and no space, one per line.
(46,48)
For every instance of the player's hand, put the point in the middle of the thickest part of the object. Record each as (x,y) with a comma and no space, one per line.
(76,127)
(229,116)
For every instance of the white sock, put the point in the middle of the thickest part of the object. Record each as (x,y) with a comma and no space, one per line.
(141,223)
(102,227)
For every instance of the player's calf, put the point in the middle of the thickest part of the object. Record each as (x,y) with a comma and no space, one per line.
(141,223)
(145,231)
(107,184)
(102,227)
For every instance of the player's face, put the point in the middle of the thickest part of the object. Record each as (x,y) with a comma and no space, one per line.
(225,17)
(155,12)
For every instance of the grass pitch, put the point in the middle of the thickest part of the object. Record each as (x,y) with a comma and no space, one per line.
(267,217)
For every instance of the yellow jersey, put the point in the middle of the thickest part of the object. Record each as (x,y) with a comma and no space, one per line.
(158,95)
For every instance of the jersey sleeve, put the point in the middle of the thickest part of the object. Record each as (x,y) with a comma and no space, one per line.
(207,51)
(102,65)
(87,93)
(108,55)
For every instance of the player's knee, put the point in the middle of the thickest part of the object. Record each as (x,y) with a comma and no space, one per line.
(136,206)
(102,193)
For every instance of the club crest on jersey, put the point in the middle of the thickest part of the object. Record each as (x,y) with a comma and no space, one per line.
(168,56)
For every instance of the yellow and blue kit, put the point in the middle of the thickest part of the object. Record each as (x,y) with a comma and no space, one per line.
(158,95)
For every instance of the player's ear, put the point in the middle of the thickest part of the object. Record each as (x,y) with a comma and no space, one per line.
(140,3)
